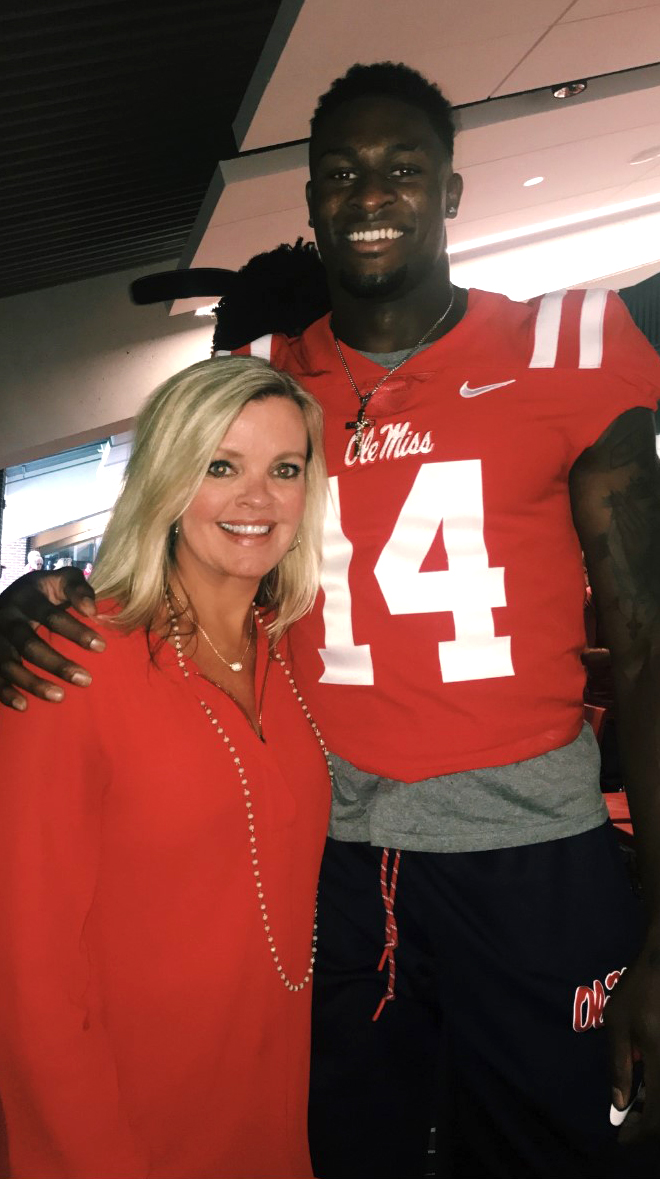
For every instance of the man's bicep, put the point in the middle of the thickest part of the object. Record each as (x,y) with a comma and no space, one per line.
(615,499)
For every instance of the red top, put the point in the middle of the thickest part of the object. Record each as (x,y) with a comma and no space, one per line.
(144,1030)
(449,632)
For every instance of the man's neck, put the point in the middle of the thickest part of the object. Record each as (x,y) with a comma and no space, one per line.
(372,325)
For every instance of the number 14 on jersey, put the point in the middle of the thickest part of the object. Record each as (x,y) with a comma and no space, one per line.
(450,494)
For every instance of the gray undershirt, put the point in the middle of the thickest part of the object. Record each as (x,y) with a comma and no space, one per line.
(549,797)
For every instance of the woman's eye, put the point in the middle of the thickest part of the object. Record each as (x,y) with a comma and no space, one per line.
(287,470)
(219,468)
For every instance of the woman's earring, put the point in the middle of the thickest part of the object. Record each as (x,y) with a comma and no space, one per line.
(295,544)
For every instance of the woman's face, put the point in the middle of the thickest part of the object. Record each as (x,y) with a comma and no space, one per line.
(246,513)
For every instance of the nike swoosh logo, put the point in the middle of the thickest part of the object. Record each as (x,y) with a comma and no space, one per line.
(466,391)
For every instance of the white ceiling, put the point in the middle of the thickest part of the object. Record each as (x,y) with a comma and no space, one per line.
(476,50)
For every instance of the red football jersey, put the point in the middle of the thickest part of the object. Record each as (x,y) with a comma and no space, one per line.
(448,632)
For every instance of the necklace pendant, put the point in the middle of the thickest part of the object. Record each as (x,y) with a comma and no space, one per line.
(360,426)
(235,666)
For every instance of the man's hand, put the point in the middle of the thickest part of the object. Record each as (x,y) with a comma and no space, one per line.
(40,599)
(632,1018)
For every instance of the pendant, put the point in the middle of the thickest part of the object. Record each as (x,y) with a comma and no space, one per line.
(235,666)
(360,425)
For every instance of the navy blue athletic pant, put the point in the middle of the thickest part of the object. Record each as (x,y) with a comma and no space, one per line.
(495,1036)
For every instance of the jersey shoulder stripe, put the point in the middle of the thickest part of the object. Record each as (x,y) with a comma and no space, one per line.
(592,320)
(262,347)
(570,324)
(546,330)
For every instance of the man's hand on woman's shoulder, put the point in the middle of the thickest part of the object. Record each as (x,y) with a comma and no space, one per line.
(41,599)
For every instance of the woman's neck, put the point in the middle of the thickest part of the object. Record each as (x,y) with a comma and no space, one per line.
(221,604)
(216,630)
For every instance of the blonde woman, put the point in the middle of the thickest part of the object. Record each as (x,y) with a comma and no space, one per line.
(158,864)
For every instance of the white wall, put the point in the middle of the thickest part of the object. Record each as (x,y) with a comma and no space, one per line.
(615,254)
(77,362)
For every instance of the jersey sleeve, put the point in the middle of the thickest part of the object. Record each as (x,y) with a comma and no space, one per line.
(630,369)
(595,364)
(627,350)
(58,1079)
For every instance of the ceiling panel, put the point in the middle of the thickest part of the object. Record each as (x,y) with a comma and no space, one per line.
(584,49)
(430,36)
(564,122)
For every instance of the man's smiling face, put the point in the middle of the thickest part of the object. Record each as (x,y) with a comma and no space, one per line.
(381,184)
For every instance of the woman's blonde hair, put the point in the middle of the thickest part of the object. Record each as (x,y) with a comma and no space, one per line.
(177,435)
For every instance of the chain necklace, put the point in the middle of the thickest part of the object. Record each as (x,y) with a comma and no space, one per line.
(247,796)
(237,665)
(362,422)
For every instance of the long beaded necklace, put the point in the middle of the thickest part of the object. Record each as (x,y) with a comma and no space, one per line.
(237,665)
(247,795)
(362,422)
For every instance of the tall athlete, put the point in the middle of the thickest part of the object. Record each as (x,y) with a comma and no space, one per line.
(475,447)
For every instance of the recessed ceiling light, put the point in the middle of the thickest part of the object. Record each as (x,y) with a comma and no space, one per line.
(208,310)
(568,89)
(645,156)
(532,181)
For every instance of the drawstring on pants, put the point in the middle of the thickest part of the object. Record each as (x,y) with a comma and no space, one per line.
(388,893)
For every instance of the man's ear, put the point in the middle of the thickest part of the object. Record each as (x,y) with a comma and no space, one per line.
(454,194)
(308,198)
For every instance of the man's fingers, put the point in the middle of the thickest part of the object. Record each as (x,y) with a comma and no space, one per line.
(16,630)
(31,597)
(63,623)
(19,640)
(77,591)
(21,677)
(11,697)
(25,644)
(36,593)
(64,587)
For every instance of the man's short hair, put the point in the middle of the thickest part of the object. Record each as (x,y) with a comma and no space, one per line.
(393,81)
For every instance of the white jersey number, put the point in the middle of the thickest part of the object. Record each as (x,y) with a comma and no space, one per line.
(450,494)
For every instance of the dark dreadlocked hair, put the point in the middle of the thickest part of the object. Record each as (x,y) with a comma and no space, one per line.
(392,81)
(281,290)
